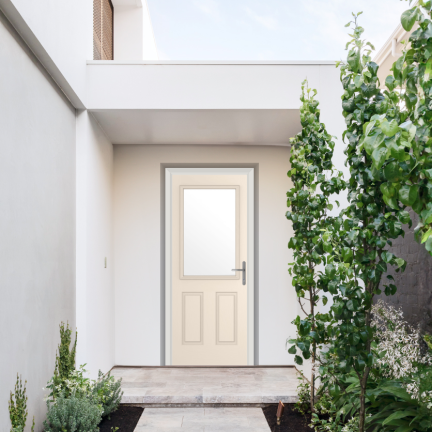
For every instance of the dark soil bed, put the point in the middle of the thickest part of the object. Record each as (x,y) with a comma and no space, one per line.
(125,418)
(292,421)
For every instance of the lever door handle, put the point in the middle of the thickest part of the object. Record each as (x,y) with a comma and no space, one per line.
(243,269)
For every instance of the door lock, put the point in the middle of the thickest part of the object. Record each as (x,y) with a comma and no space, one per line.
(243,269)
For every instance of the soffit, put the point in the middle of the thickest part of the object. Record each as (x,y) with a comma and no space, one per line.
(203,127)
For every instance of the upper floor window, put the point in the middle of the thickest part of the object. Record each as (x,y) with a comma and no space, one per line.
(103,30)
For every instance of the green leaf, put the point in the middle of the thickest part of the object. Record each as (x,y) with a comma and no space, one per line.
(428,245)
(398,415)
(426,235)
(408,194)
(373,141)
(347,255)
(404,217)
(292,350)
(298,360)
(379,156)
(392,171)
(408,18)
(354,339)
(389,82)
(352,305)
(428,71)
(330,271)
(389,128)
(354,60)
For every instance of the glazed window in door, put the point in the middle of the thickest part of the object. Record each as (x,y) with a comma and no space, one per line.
(209,303)
(209,232)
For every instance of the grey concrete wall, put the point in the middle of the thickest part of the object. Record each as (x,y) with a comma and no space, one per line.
(414,294)
(37,222)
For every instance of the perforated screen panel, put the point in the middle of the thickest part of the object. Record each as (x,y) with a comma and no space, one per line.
(103,30)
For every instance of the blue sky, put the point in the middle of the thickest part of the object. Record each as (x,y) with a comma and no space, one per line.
(266,29)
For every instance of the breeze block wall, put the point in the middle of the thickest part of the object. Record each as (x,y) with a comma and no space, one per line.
(414,286)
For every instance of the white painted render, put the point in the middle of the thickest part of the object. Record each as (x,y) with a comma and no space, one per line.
(60,33)
(94,281)
(37,222)
(133,31)
(216,85)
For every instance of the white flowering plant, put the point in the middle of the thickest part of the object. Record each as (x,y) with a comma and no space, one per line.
(404,354)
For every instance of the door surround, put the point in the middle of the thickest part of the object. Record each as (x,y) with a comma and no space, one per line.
(249,172)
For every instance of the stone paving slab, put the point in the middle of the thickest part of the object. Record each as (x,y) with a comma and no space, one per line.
(200,386)
(202,420)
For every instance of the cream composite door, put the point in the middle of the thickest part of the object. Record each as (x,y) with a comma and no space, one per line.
(209,296)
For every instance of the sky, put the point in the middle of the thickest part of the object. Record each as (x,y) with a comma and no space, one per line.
(266,29)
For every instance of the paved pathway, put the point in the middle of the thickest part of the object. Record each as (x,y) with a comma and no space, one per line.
(202,420)
(147,385)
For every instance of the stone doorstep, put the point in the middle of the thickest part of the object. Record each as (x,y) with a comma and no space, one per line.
(202,405)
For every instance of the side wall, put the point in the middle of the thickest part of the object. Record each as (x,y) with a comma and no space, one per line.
(95,289)
(37,222)
(137,245)
(414,286)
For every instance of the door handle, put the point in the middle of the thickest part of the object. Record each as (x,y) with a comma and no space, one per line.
(243,269)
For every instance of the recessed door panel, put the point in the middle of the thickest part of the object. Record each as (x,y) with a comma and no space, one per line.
(192,318)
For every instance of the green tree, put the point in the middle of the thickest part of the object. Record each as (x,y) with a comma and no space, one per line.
(353,273)
(409,168)
(309,199)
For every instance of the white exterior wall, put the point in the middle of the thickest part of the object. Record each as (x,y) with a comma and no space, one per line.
(133,31)
(95,289)
(37,223)
(137,246)
(64,31)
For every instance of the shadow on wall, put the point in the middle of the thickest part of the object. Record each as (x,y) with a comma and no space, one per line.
(414,286)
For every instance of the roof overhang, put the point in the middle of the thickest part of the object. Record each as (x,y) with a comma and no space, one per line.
(160,102)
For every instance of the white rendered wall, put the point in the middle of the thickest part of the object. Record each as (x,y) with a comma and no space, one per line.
(133,32)
(137,245)
(95,289)
(65,30)
(37,223)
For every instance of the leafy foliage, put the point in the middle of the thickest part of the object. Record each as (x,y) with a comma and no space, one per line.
(302,406)
(75,384)
(309,199)
(18,408)
(72,414)
(359,258)
(408,159)
(65,363)
(108,392)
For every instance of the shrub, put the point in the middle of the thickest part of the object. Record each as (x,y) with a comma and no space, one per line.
(18,407)
(303,391)
(403,355)
(108,392)
(72,414)
(76,384)
(65,362)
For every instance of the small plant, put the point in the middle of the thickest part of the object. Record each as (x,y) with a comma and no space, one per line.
(72,414)
(18,408)
(76,384)
(402,355)
(326,417)
(108,392)
(303,391)
(65,362)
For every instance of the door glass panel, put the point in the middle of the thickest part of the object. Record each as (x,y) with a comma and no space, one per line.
(209,232)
